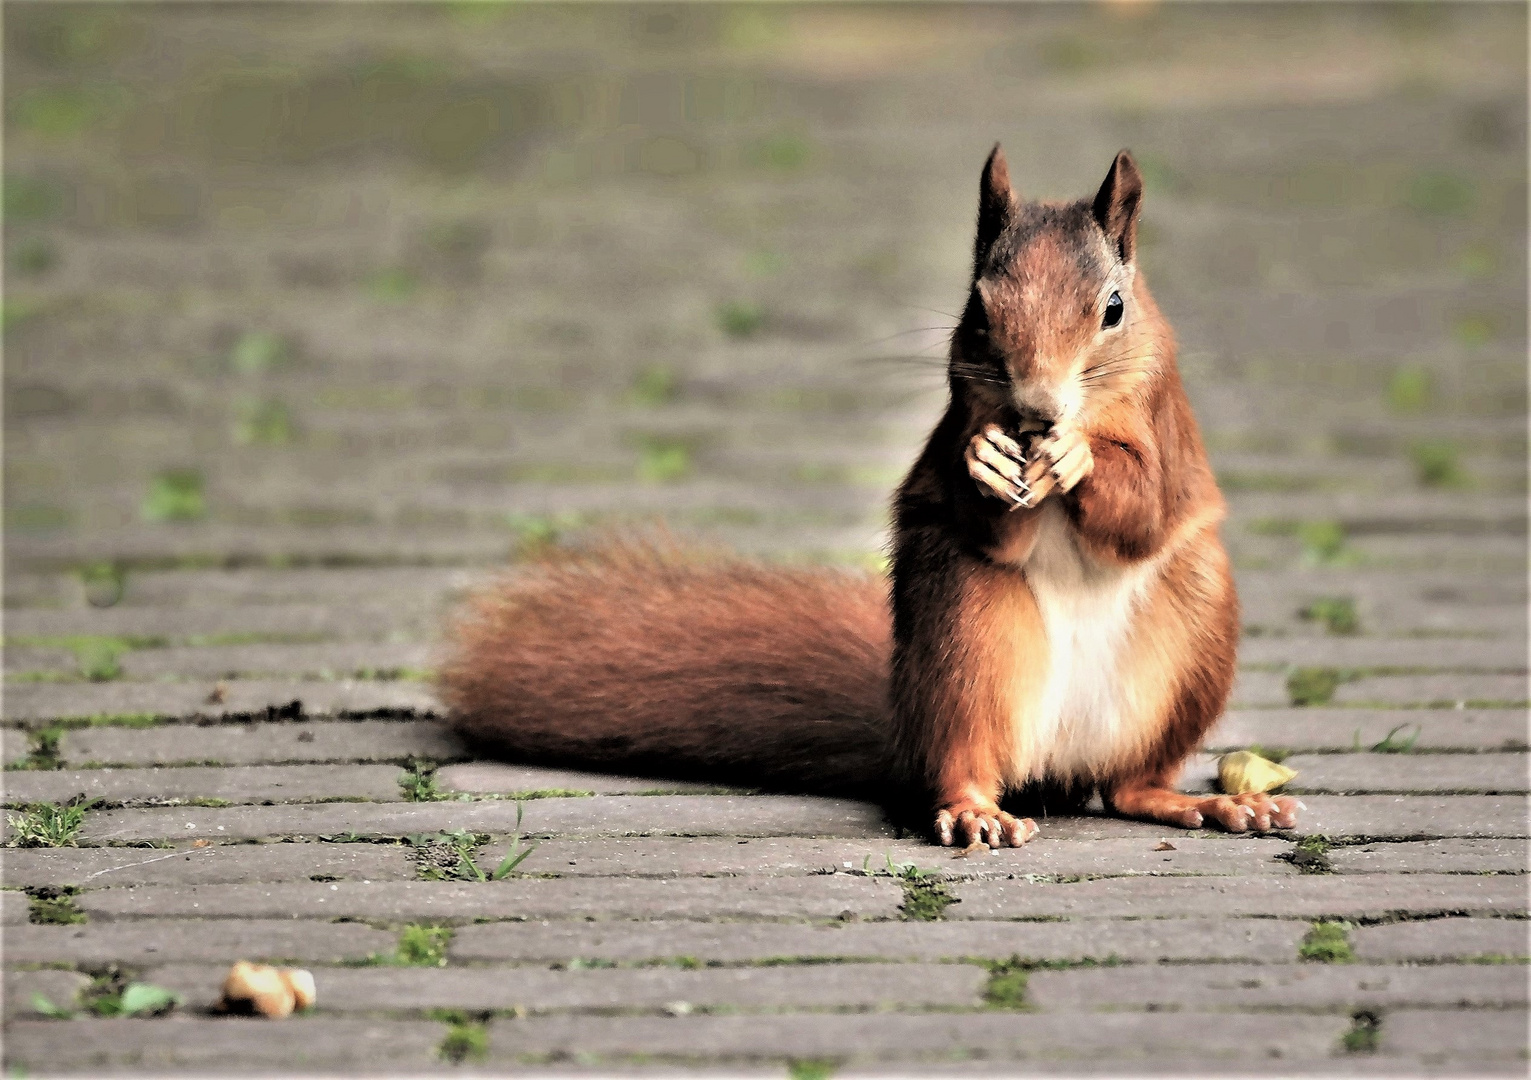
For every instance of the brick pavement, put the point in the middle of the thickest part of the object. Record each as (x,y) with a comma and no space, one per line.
(698,267)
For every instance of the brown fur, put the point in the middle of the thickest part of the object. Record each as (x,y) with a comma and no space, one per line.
(638,656)
(634,657)
(1032,351)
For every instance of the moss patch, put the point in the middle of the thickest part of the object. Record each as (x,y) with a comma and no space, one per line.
(423,945)
(1327,943)
(1364,1034)
(1310,855)
(1337,614)
(54,906)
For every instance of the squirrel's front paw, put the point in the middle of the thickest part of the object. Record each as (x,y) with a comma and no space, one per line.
(967,823)
(1063,459)
(998,464)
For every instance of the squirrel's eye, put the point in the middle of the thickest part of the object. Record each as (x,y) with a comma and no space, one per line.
(1114,309)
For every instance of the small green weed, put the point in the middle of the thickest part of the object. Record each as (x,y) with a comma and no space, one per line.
(1364,1034)
(43,1007)
(811,1068)
(392,285)
(100,659)
(1438,464)
(1006,988)
(44,751)
(1391,744)
(656,384)
(1327,943)
(663,458)
(1323,542)
(450,856)
(1409,391)
(423,945)
(740,319)
(112,993)
(175,495)
(104,583)
(926,896)
(418,783)
(266,422)
(1311,855)
(1337,614)
(54,906)
(49,825)
(258,352)
(1307,686)
(464,1042)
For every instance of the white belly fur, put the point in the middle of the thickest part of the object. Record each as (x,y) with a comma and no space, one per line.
(1087,612)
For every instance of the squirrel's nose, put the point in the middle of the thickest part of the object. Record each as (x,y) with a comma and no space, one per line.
(1037,403)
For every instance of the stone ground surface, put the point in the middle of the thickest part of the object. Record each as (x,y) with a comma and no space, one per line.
(315,316)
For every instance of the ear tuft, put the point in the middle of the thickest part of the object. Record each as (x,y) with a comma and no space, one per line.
(996,206)
(1116,205)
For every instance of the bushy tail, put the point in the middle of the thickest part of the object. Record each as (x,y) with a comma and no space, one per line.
(639,658)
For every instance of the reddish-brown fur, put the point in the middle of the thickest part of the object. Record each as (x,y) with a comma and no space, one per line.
(635,657)
(638,656)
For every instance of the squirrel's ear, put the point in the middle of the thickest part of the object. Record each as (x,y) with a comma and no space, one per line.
(1117,202)
(996,206)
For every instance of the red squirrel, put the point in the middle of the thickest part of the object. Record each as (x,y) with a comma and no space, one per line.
(1063,615)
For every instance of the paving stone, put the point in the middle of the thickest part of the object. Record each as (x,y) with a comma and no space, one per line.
(237,1045)
(1434,857)
(1255,689)
(15,907)
(48,701)
(307,620)
(410,587)
(212,865)
(1408,817)
(264,743)
(24,658)
(653,857)
(602,815)
(14,745)
(1220,987)
(817,986)
(1434,1038)
(1352,729)
(1308,896)
(59,987)
(1437,690)
(1502,774)
(327,660)
(221,941)
(1467,654)
(494,778)
(1117,1037)
(720,898)
(1268,688)
(1443,939)
(249,784)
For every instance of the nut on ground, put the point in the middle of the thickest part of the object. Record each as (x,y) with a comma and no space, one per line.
(267,991)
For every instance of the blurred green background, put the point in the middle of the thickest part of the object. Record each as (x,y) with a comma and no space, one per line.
(356,284)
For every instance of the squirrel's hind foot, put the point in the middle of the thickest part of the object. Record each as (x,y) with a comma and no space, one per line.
(1254,812)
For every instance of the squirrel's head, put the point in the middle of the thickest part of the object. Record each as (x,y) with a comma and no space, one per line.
(1056,318)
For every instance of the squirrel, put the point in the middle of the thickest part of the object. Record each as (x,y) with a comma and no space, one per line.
(1062,618)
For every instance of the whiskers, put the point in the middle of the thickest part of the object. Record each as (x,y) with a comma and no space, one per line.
(1140,360)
